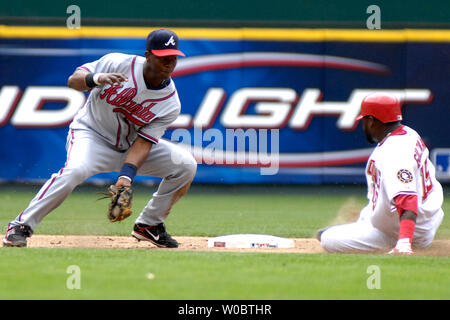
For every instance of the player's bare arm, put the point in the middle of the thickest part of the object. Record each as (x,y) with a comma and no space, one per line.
(79,80)
(406,233)
(408,215)
(135,158)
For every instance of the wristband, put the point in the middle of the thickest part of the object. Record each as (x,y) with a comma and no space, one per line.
(125,177)
(95,78)
(407,228)
(89,79)
(128,170)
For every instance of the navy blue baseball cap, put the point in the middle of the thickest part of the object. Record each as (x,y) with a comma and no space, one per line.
(163,42)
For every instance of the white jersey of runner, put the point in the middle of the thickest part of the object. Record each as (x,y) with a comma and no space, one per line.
(400,164)
(121,112)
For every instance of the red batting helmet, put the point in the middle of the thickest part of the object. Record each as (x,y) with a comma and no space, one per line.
(384,107)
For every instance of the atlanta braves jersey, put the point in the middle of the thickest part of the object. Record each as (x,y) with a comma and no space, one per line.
(400,165)
(121,112)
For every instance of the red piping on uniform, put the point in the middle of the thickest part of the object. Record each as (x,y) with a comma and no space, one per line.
(85,68)
(62,169)
(148,137)
(129,117)
(20,218)
(160,99)
(53,180)
(118,131)
(128,134)
(399,131)
(132,73)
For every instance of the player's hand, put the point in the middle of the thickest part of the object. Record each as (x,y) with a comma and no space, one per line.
(111,78)
(403,246)
(123,182)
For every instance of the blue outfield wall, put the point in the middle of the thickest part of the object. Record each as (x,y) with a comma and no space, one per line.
(283,109)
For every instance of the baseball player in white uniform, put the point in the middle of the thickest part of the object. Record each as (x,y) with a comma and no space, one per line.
(132,101)
(405,199)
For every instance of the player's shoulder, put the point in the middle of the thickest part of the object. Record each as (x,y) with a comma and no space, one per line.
(411,132)
(139,59)
(401,135)
(118,57)
(401,140)
(121,62)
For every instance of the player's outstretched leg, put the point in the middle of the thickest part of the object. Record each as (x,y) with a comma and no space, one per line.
(49,197)
(356,237)
(85,157)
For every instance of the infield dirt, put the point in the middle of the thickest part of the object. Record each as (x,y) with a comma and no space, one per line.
(302,245)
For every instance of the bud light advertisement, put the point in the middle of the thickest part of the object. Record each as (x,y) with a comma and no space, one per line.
(252,110)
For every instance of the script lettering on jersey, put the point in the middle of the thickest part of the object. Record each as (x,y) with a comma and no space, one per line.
(123,100)
(376,177)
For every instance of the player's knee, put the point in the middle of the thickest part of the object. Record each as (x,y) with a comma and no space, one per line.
(422,243)
(188,167)
(184,171)
(77,175)
(184,163)
(191,166)
(328,241)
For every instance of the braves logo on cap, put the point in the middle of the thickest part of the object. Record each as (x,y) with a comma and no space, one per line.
(171,41)
(163,42)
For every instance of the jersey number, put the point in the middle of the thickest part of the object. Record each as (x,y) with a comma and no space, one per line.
(375,174)
(427,184)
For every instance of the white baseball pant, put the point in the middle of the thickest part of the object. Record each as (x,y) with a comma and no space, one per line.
(361,236)
(88,154)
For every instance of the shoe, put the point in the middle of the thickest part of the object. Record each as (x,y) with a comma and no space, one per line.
(155,234)
(319,233)
(17,236)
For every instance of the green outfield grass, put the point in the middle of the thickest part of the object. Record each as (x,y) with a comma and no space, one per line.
(32,273)
(122,274)
(204,211)
(199,213)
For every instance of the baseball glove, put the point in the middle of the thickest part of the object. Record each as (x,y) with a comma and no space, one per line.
(120,206)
